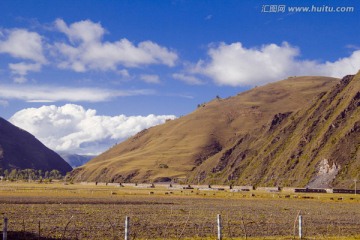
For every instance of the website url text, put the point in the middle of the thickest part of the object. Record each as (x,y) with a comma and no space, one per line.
(308,9)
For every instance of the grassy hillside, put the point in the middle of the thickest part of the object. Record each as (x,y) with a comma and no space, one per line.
(195,146)
(316,146)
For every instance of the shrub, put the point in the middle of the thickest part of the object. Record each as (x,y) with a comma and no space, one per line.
(163,165)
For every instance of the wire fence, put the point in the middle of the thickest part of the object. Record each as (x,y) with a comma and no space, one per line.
(171,224)
(175,217)
(135,228)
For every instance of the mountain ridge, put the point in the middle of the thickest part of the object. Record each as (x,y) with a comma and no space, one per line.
(21,150)
(201,146)
(76,160)
(317,147)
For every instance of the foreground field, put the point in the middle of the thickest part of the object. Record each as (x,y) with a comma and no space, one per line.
(58,211)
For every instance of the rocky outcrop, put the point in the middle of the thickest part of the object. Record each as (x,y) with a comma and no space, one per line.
(278,119)
(325,175)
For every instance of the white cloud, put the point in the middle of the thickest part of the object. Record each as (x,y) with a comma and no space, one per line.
(20,79)
(20,70)
(21,43)
(124,73)
(150,78)
(191,80)
(343,66)
(83,31)
(71,128)
(40,101)
(236,65)
(52,94)
(87,51)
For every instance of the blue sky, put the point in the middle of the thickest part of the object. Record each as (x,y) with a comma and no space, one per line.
(77,65)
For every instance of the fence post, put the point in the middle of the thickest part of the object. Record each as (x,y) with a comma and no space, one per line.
(5,228)
(219,235)
(300,226)
(39,230)
(127,228)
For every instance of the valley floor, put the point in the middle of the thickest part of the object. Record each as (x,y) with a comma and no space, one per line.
(59,211)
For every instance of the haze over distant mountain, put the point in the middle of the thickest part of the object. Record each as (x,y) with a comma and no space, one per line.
(21,150)
(302,131)
(76,160)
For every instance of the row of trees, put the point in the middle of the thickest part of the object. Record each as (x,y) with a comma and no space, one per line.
(29,174)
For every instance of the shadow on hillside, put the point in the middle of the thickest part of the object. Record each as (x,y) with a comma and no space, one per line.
(12,235)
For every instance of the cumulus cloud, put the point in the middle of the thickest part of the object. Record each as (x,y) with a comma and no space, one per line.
(150,78)
(20,70)
(71,128)
(87,51)
(21,43)
(51,94)
(235,65)
(83,50)
(83,31)
(191,80)
(26,45)
(343,66)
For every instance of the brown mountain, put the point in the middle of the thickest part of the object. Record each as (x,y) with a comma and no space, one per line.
(21,150)
(292,132)
(317,146)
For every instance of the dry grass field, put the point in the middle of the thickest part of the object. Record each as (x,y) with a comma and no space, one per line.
(59,211)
